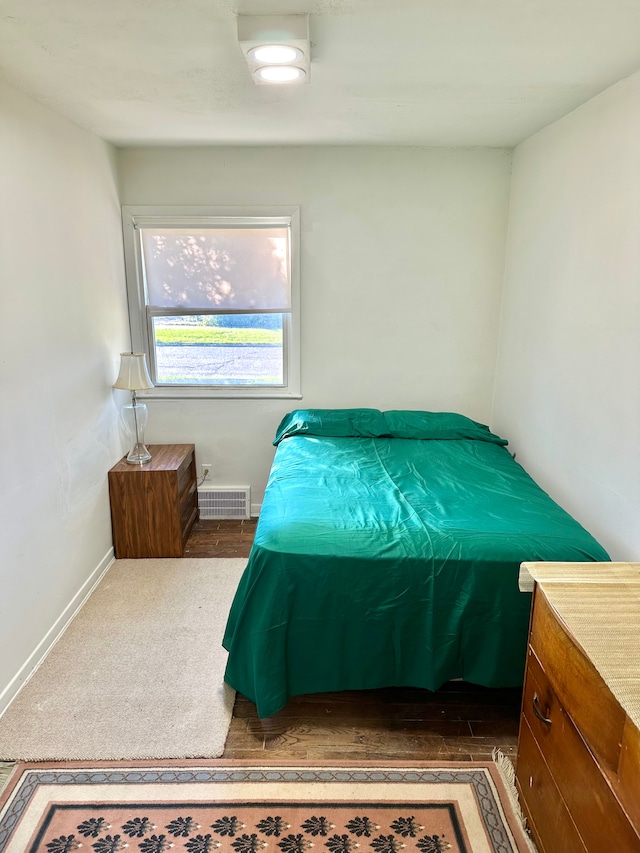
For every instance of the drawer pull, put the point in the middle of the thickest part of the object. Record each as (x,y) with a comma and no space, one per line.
(538,712)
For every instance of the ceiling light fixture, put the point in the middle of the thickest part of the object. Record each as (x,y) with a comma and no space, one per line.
(273,54)
(280,74)
(276,47)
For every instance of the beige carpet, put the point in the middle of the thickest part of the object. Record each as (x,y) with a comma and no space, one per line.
(137,674)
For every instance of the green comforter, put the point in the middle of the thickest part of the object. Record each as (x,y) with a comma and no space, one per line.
(391,562)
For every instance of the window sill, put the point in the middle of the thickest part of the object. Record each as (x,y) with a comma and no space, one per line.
(208,394)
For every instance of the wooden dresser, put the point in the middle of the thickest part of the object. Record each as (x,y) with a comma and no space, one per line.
(154,506)
(578,765)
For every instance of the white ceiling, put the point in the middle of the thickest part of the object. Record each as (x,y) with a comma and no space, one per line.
(383,72)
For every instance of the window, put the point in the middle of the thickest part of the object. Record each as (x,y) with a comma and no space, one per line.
(213,299)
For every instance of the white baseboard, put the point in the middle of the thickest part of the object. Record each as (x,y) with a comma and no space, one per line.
(55,632)
(255,510)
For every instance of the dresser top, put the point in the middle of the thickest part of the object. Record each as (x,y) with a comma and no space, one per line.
(599,603)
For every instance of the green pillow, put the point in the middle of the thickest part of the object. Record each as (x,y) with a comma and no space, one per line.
(437,425)
(343,423)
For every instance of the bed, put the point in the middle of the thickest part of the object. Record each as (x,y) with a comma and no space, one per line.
(387,554)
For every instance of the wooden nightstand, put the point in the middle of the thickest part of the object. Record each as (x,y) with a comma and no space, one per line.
(154,506)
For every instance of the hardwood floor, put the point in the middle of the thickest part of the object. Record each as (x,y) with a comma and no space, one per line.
(221,538)
(459,722)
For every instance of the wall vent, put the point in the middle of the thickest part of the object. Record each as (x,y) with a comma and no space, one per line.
(219,502)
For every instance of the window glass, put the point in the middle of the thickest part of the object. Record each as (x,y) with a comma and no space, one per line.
(231,349)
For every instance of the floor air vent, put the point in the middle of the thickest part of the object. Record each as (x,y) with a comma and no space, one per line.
(224,502)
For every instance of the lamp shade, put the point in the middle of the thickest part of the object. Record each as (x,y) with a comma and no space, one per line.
(133,375)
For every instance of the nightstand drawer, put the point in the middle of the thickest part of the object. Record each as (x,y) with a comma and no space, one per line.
(188,506)
(186,474)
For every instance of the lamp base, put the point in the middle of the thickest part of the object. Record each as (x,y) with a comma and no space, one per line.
(138,455)
(134,417)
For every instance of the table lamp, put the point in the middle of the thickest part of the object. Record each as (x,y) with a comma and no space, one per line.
(133,377)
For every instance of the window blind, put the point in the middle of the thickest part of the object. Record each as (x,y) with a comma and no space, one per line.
(218,269)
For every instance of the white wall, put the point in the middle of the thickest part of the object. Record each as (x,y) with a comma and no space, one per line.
(62,324)
(402,254)
(568,378)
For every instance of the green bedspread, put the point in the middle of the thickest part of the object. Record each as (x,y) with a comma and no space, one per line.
(391,562)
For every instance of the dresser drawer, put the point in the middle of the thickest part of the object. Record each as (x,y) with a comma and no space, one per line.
(580,782)
(627,784)
(577,684)
(548,817)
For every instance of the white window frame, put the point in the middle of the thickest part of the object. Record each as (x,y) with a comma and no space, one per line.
(137,216)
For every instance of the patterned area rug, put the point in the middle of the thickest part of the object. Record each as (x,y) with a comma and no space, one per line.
(239,808)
